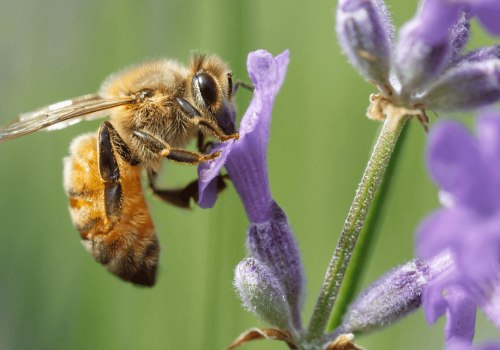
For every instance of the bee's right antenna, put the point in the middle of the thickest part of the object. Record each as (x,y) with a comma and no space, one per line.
(234,89)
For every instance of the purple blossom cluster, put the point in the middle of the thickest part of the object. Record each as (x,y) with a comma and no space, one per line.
(426,68)
(467,170)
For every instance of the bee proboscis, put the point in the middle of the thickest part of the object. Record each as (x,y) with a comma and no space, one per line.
(154,110)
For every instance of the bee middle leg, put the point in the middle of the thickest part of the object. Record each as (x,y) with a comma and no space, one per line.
(163,149)
(181,197)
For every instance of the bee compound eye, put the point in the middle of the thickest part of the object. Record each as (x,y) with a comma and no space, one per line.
(207,88)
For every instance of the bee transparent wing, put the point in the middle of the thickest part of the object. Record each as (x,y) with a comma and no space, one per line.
(63,104)
(62,114)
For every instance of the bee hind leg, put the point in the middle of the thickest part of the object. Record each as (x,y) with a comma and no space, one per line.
(181,197)
(110,174)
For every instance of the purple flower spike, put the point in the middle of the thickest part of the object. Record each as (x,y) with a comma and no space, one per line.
(245,159)
(366,33)
(466,86)
(273,243)
(262,293)
(270,239)
(393,296)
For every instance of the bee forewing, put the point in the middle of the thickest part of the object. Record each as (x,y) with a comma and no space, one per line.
(59,105)
(65,113)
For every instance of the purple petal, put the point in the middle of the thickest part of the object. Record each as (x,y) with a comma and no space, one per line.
(440,231)
(365,34)
(488,129)
(490,304)
(434,20)
(478,252)
(208,171)
(461,316)
(433,303)
(245,159)
(488,13)
(247,163)
(454,161)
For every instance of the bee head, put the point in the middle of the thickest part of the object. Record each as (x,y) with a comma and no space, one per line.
(211,87)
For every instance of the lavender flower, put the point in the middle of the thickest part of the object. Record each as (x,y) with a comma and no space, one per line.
(427,68)
(466,169)
(276,262)
(245,159)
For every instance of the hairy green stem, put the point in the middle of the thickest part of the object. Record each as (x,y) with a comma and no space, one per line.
(366,239)
(363,199)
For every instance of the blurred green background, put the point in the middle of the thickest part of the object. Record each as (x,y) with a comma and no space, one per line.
(54,296)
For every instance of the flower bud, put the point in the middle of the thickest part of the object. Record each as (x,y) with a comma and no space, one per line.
(262,293)
(417,62)
(273,243)
(424,48)
(393,296)
(365,33)
(466,86)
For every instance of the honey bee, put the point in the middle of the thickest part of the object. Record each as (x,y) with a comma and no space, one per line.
(154,110)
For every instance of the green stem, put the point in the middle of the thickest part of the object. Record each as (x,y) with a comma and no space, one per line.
(366,240)
(363,199)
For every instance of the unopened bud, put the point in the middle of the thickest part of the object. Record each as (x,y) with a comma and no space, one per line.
(365,33)
(262,293)
(393,296)
(466,86)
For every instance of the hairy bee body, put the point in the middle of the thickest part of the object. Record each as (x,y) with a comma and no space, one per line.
(154,110)
(127,247)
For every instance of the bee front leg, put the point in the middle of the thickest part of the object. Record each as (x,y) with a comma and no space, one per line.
(194,116)
(178,155)
(110,174)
